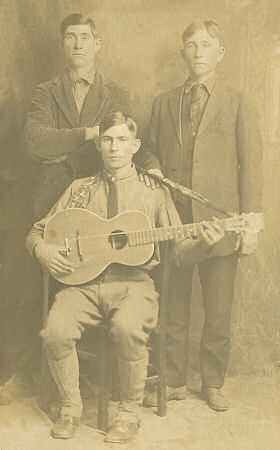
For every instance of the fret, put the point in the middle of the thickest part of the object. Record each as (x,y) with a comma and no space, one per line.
(140,234)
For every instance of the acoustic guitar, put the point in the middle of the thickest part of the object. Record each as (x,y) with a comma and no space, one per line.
(92,243)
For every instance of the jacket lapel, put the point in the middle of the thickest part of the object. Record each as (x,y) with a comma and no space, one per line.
(62,91)
(175,106)
(213,106)
(94,101)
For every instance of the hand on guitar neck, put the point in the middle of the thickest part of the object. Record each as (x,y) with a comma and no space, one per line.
(211,233)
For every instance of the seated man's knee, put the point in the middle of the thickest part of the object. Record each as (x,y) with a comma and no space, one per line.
(129,336)
(57,340)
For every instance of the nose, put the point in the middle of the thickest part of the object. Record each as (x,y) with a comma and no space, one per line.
(198,51)
(78,42)
(114,145)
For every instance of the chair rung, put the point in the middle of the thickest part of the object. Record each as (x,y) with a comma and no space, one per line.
(87,355)
(153,379)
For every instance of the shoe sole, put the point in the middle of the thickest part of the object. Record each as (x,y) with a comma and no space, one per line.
(57,436)
(215,408)
(171,397)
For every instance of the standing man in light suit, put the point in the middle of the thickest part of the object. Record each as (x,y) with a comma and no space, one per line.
(204,135)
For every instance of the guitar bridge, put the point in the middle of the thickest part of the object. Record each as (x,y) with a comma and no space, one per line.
(80,253)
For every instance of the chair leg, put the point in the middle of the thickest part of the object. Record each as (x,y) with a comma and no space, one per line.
(161,385)
(104,375)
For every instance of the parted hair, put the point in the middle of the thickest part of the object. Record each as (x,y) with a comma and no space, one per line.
(117,118)
(210,26)
(76,19)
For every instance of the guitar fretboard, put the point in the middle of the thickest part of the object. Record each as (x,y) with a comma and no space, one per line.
(149,236)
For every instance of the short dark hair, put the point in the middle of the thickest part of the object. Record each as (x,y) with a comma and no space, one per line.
(210,26)
(117,118)
(77,19)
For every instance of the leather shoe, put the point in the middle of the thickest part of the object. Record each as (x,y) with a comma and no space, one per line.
(172,393)
(65,427)
(124,429)
(215,398)
(16,387)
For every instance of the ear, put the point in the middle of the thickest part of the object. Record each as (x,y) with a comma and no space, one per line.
(98,43)
(182,53)
(97,143)
(221,53)
(136,145)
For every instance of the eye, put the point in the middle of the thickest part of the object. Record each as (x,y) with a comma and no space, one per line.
(85,37)
(106,139)
(189,45)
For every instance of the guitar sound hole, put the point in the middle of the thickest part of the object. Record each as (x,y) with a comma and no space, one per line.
(118,239)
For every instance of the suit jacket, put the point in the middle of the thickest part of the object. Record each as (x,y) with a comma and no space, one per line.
(227,152)
(54,134)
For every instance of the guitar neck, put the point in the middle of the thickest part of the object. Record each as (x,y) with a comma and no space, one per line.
(150,236)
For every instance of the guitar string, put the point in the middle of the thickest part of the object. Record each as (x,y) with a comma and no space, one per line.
(150,230)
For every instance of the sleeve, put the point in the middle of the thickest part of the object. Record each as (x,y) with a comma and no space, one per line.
(148,156)
(36,234)
(249,152)
(42,139)
(183,251)
(120,100)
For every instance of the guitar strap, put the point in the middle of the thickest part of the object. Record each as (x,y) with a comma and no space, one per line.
(81,197)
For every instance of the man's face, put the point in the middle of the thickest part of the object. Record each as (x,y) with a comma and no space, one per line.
(80,46)
(202,53)
(117,145)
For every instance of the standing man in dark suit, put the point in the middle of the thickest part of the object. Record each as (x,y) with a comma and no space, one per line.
(59,134)
(204,135)
(64,117)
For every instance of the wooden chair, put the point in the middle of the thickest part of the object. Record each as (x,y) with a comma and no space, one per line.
(104,357)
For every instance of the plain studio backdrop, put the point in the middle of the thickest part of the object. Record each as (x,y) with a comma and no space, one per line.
(141,45)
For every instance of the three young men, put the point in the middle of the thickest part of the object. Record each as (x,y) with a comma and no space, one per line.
(125,296)
(204,135)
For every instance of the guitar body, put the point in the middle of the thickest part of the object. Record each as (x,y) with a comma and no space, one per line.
(92,243)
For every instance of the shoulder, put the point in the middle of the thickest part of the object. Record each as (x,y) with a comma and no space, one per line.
(50,84)
(82,183)
(166,96)
(113,87)
(226,90)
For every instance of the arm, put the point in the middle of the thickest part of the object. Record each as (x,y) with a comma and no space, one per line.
(43,140)
(191,252)
(249,151)
(148,157)
(186,251)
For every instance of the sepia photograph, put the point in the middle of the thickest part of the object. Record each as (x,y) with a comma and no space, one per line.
(139,235)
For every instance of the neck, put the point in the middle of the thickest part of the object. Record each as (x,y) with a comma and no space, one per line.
(201,79)
(121,172)
(78,72)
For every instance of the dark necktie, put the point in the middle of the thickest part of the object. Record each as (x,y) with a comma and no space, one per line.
(195,105)
(112,199)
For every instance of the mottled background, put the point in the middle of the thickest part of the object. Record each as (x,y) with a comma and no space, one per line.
(141,44)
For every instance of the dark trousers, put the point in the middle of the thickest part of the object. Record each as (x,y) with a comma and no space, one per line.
(217,277)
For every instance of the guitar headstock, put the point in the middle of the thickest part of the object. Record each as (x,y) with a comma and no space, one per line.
(249,222)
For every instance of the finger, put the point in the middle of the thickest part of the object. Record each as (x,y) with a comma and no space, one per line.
(61,265)
(147,180)
(65,262)
(238,242)
(59,270)
(141,176)
(153,183)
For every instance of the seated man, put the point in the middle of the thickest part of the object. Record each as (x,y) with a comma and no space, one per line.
(125,296)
